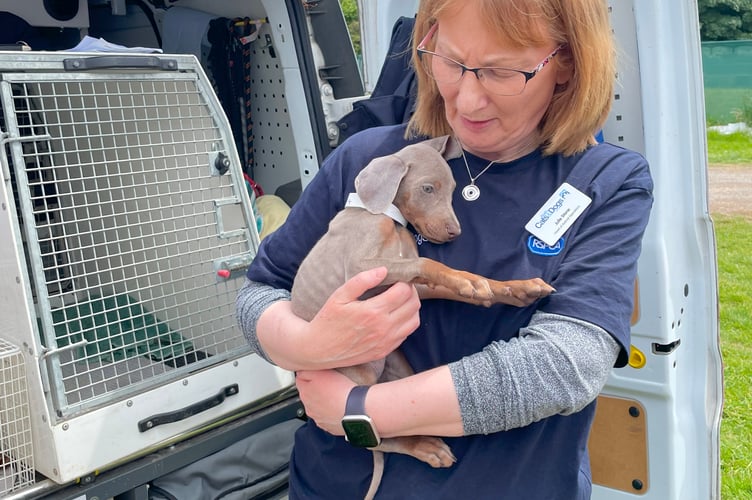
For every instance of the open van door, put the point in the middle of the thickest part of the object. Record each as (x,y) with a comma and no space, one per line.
(656,433)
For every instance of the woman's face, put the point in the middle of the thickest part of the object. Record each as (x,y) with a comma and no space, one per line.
(492,126)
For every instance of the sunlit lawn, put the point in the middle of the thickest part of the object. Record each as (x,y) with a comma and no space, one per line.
(733,235)
(729,148)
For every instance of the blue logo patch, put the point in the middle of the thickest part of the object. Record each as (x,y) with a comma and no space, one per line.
(539,248)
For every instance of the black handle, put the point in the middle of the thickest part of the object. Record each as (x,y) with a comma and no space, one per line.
(188,411)
(120,61)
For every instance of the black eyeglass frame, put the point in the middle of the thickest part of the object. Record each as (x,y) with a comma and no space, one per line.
(421,49)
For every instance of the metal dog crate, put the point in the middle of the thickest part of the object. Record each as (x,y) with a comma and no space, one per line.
(126,229)
(16,452)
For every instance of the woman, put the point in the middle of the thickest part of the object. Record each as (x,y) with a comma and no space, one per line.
(510,389)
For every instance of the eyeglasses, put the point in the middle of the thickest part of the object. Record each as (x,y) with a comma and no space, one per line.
(499,81)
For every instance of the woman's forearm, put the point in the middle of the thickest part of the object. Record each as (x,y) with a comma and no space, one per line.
(285,339)
(272,330)
(557,366)
(423,404)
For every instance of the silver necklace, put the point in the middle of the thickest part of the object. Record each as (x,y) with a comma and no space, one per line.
(471,192)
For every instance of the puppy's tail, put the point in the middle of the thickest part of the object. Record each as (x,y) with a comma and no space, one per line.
(378,472)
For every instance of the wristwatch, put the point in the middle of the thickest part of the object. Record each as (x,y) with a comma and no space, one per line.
(359,428)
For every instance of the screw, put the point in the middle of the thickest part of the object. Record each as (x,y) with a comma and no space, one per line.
(65,427)
(637,484)
(634,411)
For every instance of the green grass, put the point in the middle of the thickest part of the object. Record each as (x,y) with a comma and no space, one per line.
(729,148)
(733,235)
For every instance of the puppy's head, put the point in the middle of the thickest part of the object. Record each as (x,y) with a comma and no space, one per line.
(419,182)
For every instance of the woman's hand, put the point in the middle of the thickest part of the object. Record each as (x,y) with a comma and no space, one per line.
(346,331)
(324,394)
(350,331)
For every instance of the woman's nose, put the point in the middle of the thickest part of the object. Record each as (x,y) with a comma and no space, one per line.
(471,94)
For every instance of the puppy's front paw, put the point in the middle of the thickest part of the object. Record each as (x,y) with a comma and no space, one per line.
(475,287)
(521,292)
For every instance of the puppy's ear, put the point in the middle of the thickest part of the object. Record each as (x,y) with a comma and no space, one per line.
(378,182)
(448,146)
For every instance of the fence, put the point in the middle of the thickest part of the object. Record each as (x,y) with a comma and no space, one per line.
(727,73)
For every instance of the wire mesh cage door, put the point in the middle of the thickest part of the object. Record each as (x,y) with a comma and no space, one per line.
(136,226)
(16,451)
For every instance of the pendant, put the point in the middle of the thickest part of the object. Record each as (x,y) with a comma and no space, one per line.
(471,192)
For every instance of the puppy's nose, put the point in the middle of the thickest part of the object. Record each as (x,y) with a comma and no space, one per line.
(453,231)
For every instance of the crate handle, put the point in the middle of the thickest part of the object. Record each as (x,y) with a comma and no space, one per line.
(120,61)
(183,413)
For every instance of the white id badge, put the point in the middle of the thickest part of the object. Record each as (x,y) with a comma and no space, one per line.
(558,214)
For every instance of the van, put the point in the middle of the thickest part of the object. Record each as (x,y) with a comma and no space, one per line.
(147,148)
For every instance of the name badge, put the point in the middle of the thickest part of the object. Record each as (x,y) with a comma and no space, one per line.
(558,214)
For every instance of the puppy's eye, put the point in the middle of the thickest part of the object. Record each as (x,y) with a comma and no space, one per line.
(427,188)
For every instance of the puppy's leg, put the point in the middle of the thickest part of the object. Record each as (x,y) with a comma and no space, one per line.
(518,293)
(396,367)
(433,273)
(431,450)
(364,374)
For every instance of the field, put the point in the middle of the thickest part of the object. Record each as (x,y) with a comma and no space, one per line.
(733,233)
(735,271)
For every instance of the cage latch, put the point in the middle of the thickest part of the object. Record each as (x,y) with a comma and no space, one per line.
(232,267)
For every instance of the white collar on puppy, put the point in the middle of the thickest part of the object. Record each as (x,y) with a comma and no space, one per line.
(353,200)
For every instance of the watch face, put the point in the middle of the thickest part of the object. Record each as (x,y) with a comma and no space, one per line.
(359,431)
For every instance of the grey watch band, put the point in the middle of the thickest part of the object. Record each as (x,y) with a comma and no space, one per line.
(356,400)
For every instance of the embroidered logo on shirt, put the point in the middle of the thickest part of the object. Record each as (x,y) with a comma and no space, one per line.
(540,248)
(419,238)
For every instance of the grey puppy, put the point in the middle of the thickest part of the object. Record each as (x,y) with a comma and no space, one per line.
(415,183)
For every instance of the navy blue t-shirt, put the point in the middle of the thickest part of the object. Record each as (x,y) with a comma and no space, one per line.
(593,268)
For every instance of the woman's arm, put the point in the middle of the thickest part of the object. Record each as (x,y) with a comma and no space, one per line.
(347,331)
(557,366)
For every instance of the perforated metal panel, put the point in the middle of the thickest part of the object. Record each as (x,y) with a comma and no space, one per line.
(135,222)
(276,161)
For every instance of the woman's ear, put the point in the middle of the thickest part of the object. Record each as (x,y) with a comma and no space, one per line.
(564,66)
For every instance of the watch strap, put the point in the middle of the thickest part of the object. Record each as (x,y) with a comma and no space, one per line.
(356,400)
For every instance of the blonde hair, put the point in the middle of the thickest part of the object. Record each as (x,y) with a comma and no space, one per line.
(579,107)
